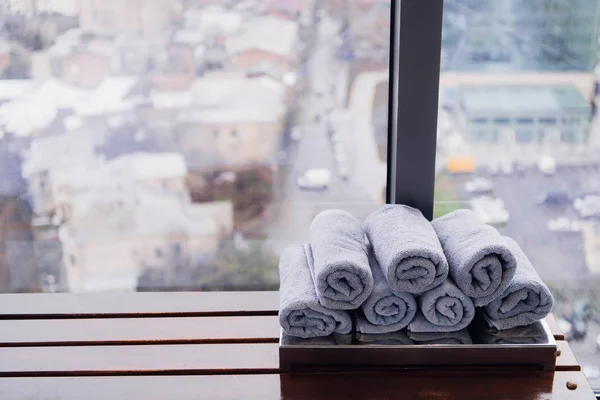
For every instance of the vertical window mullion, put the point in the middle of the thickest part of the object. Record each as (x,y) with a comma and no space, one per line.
(415,45)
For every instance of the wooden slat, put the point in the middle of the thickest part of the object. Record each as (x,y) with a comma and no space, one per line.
(139,360)
(566,361)
(374,386)
(259,329)
(553,325)
(111,305)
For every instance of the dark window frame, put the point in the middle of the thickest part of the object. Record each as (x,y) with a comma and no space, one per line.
(415,51)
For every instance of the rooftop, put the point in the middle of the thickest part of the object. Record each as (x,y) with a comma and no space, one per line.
(554,99)
(258,34)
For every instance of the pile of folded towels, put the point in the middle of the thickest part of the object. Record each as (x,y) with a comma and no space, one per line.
(400,279)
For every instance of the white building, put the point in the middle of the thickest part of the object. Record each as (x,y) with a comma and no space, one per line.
(17,7)
(113,233)
(68,8)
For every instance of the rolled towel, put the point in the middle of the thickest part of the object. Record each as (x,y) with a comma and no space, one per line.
(458,337)
(390,338)
(384,311)
(525,300)
(339,260)
(331,340)
(406,248)
(528,334)
(443,309)
(480,262)
(300,313)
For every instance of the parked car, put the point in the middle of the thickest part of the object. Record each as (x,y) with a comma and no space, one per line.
(547,165)
(478,185)
(343,170)
(585,201)
(507,168)
(555,198)
(490,210)
(339,153)
(563,224)
(587,206)
(315,179)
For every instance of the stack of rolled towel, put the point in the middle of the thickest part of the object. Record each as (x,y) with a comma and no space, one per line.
(401,279)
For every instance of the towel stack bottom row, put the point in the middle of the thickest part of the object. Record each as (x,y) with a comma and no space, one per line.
(400,279)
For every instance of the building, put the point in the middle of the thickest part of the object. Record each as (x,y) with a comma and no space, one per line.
(68,8)
(17,7)
(152,171)
(524,115)
(255,43)
(5,54)
(17,263)
(233,121)
(512,35)
(114,233)
(133,17)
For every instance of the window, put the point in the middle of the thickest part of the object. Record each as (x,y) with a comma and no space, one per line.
(292,87)
(318,100)
(545,48)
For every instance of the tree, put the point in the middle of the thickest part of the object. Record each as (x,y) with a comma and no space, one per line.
(249,266)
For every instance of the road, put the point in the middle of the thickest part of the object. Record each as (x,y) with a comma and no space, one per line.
(315,150)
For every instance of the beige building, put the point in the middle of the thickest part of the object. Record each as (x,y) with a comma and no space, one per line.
(256,43)
(152,171)
(233,121)
(591,241)
(133,17)
(114,233)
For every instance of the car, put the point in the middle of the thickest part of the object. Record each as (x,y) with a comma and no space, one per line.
(296,134)
(585,201)
(587,206)
(579,328)
(547,165)
(591,371)
(507,168)
(478,185)
(343,170)
(563,224)
(336,137)
(339,153)
(490,210)
(493,168)
(565,327)
(555,198)
(315,179)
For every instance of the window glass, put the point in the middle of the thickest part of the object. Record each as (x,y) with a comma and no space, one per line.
(182,144)
(529,65)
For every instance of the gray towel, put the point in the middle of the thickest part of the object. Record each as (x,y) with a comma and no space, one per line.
(384,311)
(480,262)
(331,340)
(443,309)
(525,300)
(300,313)
(339,260)
(407,249)
(390,338)
(529,334)
(458,337)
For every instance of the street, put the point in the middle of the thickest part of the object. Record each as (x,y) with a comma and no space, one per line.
(314,150)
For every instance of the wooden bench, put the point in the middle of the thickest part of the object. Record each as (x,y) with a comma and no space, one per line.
(213,346)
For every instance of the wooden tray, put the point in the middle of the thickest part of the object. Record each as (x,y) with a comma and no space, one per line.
(476,356)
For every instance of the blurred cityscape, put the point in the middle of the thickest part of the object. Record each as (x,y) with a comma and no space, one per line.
(181,144)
